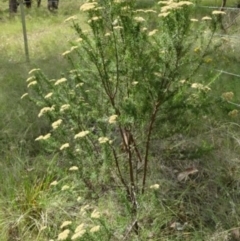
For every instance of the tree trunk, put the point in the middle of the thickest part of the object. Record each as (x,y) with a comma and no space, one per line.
(13,4)
(28,3)
(38,3)
(52,5)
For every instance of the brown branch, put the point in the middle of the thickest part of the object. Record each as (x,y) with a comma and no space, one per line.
(220,16)
(118,167)
(135,148)
(150,128)
(133,225)
(223,5)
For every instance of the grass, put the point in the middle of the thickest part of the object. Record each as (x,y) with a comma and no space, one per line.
(32,209)
(25,194)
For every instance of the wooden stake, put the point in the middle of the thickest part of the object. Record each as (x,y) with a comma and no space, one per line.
(24,31)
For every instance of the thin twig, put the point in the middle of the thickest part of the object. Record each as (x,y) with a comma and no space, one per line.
(150,128)
(129,229)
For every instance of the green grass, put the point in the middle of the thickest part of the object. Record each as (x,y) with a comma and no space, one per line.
(34,210)
(48,37)
(217,2)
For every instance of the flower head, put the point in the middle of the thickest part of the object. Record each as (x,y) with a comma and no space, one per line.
(64,107)
(200,87)
(233,113)
(79,85)
(155,186)
(48,95)
(107,34)
(83,210)
(33,70)
(63,235)
(206,18)
(66,52)
(72,18)
(56,124)
(65,187)
(197,50)
(187,3)
(208,60)
(150,11)
(152,32)
(117,27)
(171,5)
(30,78)
(228,96)
(217,12)
(81,134)
(73,168)
(112,119)
(78,234)
(62,80)
(103,140)
(73,48)
(24,95)
(197,86)
(88,6)
(79,40)
(94,229)
(182,81)
(32,83)
(64,146)
(39,138)
(95,214)
(165,14)
(79,228)
(54,183)
(46,136)
(94,19)
(43,137)
(66,223)
(139,19)
(45,110)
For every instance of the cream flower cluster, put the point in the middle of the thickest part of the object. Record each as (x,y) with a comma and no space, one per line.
(103,140)
(112,119)
(62,80)
(45,110)
(81,134)
(72,18)
(88,6)
(228,96)
(47,96)
(32,83)
(64,107)
(64,146)
(45,137)
(200,87)
(56,124)
(81,229)
(171,5)
(33,70)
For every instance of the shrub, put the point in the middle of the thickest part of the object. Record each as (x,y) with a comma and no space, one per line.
(127,82)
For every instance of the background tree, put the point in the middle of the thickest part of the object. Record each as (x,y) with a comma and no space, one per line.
(13,4)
